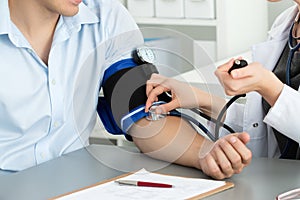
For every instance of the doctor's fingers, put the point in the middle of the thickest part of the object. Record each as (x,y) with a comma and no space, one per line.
(155,89)
(252,70)
(154,81)
(223,76)
(153,94)
(157,80)
(226,66)
(157,77)
(222,71)
(230,86)
(243,86)
(240,86)
(164,108)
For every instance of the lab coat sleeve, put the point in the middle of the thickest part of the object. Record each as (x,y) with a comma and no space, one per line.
(284,115)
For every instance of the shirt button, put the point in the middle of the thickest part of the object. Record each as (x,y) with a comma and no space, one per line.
(56,124)
(53,81)
(255,125)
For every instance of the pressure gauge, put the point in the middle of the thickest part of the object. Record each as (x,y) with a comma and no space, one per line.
(143,55)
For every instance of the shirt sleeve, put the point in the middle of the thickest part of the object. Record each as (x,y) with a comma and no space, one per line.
(284,115)
(121,32)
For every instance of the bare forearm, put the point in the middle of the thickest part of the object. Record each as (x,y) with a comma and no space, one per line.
(209,104)
(171,139)
(174,140)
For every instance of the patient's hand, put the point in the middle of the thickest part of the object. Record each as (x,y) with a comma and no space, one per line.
(227,156)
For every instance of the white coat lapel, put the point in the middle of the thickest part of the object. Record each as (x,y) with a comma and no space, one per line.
(267,53)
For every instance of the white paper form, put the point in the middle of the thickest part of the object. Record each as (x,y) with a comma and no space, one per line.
(183,188)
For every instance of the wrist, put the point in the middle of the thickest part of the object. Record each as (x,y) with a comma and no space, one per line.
(271,88)
(210,104)
(203,153)
(203,99)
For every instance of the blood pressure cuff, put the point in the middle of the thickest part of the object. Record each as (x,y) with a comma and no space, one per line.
(124,89)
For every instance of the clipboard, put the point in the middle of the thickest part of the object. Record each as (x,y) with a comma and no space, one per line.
(224,187)
(227,186)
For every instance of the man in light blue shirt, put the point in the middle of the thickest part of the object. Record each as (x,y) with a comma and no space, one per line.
(48,100)
(53,54)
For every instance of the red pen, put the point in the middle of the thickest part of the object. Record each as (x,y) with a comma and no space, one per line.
(143,183)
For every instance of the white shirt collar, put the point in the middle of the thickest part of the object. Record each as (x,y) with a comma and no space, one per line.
(84,16)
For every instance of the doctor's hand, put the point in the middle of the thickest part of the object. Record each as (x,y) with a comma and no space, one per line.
(253,77)
(183,94)
(226,157)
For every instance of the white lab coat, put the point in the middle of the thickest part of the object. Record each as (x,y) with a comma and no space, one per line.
(285,114)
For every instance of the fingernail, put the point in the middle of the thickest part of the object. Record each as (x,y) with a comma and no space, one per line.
(234,74)
(232,140)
